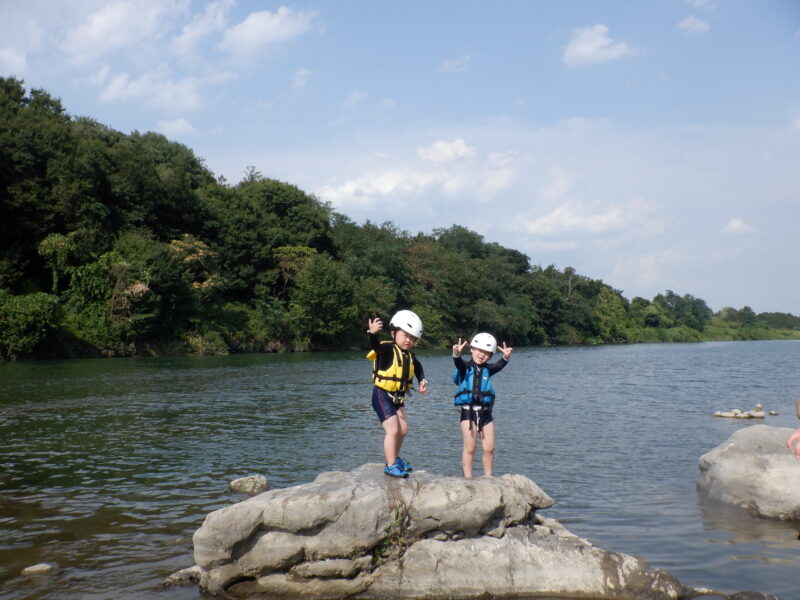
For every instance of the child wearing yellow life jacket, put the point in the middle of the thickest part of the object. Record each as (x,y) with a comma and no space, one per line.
(475,397)
(394,368)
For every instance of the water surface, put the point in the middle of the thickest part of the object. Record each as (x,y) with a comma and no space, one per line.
(107,467)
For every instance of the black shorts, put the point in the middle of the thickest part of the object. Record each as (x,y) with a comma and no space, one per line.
(384,405)
(486,414)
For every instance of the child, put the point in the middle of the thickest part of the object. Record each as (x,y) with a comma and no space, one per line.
(475,396)
(394,367)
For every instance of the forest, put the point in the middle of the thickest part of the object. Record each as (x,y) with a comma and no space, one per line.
(116,244)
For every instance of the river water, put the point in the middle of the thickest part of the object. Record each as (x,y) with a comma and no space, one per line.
(107,467)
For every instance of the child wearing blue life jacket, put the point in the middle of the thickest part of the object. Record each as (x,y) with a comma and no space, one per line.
(394,367)
(475,396)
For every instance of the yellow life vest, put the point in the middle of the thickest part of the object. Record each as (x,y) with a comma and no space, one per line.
(398,377)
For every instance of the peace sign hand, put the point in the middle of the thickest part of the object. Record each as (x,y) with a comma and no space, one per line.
(458,347)
(506,350)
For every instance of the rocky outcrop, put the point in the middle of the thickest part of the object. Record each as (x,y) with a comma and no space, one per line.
(753,469)
(361,534)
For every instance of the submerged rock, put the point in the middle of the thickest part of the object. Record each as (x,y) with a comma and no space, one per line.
(250,485)
(753,469)
(39,569)
(360,533)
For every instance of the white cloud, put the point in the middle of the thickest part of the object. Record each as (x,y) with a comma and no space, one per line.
(644,271)
(12,62)
(370,190)
(155,91)
(455,65)
(176,128)
(573,217)
(20,33)
(263,28)
(737,226)
(354,99)
(560,185)
(213,19)
(590,45)
(495,180)
(704,4)
(442,152)
(300,78)
(115,25)
(692,24)
(387,103)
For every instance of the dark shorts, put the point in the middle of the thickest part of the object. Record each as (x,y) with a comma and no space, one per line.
(385,406)
(486,414)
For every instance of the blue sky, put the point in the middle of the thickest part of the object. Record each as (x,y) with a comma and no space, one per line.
(652,144)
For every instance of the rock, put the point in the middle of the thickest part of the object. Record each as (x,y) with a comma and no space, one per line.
(773,413)
(732,414)
(753,469)
(361,533)
(251,485)
(186,576)
(39,569)
(756,414)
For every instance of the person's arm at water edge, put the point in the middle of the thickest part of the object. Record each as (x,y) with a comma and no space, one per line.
(793,443)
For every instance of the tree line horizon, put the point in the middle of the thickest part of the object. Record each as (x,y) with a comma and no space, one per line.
(127,244)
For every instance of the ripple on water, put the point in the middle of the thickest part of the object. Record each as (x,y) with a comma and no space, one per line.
(108,467)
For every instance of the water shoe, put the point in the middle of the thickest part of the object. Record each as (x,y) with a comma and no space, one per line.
(404,465)
(395,471)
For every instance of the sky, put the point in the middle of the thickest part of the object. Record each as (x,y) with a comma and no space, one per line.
(653,144)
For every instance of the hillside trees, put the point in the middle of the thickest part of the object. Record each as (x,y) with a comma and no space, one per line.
(117,244)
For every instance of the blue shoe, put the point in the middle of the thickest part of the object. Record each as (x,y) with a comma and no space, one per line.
(404,465)
(395,471)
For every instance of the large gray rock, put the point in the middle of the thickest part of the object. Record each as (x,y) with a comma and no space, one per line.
(753,469)
(361,534)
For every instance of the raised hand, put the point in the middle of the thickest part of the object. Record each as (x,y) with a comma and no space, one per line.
(506,350)
(458,347)
(375,325)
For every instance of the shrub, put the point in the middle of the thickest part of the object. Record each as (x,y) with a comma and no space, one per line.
(24,322)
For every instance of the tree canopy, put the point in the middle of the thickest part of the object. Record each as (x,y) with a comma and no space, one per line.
(117,244)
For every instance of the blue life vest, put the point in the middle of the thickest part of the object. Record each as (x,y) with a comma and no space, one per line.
(465,394)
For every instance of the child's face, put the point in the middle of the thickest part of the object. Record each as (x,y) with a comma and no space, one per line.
(480,356)
(405,340)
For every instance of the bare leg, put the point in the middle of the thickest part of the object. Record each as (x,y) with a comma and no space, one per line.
(468,452)
(487,442)
(396,428)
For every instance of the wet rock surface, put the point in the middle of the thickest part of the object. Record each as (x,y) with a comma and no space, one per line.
(754,470)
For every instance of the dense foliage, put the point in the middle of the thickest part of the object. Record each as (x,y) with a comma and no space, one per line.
(116,245)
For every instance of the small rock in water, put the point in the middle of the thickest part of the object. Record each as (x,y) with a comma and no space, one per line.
(39,569)
(185,576)
(252,485)
(773,413)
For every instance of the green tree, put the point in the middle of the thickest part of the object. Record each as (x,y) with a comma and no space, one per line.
(25,322)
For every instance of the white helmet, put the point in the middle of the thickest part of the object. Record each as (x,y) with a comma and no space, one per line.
(408,322)
(484,341)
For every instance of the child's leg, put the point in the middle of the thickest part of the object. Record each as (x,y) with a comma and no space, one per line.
(396,428)
(487,442)
(403,421)
(392,440)
(468,452)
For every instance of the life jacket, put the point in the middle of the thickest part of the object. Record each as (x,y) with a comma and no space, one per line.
(398,377)
(481,392)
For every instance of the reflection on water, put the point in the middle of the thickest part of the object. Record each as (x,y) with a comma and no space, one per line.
(107,467)
(736,526)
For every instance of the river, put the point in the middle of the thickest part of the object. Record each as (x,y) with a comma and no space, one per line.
(107,467)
